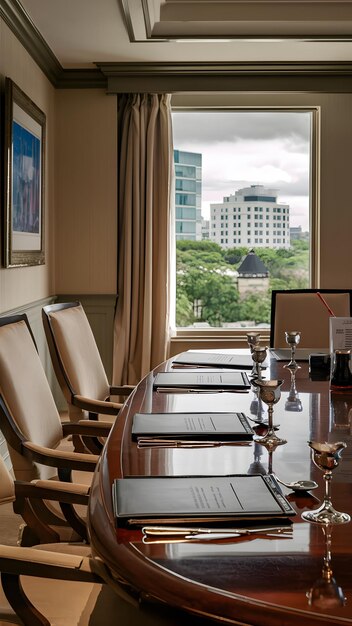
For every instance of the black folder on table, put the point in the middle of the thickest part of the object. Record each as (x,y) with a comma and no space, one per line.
(205,379)
(212,359)
(143,500)
(215,426)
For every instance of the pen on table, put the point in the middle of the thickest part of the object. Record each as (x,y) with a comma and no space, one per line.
(325,304)
(182,531)
(205,537)
(189,390)
(193,366)
(184,443)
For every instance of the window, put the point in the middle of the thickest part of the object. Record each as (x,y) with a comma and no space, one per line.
(185,213)
(245,158)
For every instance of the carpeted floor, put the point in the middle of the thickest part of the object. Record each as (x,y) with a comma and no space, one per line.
(9,525)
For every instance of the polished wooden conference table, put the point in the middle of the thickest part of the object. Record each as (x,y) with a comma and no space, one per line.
(252,581)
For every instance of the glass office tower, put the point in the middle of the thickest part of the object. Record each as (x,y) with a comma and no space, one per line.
(188,193)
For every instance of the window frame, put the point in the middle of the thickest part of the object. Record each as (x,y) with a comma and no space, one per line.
(187,338)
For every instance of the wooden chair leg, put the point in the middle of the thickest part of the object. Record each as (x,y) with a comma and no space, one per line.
(74,520)
(38,531)
(93,444)
(18,600)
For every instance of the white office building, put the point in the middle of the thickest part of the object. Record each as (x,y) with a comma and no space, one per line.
(252,217)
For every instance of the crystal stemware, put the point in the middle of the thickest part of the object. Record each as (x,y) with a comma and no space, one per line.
(325,592)
(326,456)
(270,393)
(293,337)
(259,354)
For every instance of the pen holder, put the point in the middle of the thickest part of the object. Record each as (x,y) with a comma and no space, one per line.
(341,375)
(319,366)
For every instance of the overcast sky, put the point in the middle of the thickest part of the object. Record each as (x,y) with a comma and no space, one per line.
(246,148)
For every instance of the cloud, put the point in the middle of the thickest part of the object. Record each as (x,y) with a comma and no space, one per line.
(223,126)
(269,148)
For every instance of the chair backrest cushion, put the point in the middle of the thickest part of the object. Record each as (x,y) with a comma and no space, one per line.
(7,488)
(78,352)
(25,389)
(304,312)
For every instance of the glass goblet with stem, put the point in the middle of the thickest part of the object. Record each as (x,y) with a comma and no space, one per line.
(270,394)
(253,340)
(326,456)
(259,355)
(293,337)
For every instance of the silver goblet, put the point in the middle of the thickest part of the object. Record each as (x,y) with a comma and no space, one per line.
(259,354)
(326,456)
(253,340)
(270,394)
(293,337)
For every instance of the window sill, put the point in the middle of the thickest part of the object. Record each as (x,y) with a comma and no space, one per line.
(215,338)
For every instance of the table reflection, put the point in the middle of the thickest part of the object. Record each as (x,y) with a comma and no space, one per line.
(293,401)
(325,592)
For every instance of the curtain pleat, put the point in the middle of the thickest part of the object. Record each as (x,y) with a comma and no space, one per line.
(145,219)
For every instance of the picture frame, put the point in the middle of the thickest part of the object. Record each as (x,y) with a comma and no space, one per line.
(24,158)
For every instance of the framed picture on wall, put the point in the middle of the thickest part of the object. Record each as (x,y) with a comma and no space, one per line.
(24,145)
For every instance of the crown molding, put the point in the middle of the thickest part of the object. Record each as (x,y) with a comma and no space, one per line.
(332,77)
(19,22)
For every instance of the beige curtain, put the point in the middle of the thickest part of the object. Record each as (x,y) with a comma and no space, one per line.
(145,208)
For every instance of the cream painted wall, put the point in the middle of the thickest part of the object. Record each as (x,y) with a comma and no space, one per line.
(20,286)
(86,177)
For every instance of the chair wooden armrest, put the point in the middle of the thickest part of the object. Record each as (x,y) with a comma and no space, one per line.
(123,390)
(88,428)
(43,563)
(32,496)
(16,561)
(96,406)
(60,458)
(73,493)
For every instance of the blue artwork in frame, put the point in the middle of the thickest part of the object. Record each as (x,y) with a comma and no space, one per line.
(24,179)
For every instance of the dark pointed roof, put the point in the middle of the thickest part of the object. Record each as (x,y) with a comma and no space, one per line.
(252,266)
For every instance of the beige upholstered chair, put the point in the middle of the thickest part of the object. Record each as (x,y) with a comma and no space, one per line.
(77,363)
(302,310)
(70,601)
(63,585)
(29,420)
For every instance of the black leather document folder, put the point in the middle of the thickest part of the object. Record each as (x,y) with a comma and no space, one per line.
(212,359)
(216,426)
(205,379)
(196,499)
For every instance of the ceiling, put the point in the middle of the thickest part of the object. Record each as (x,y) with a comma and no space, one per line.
(156,45)
(81,33)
